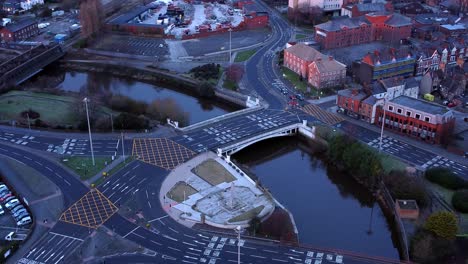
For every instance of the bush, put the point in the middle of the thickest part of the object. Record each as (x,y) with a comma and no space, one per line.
(130,121)
(31,113)
(425,248)
(460,201)
(206,90)
(445,178)
(168,108)
(122,103)
(206,72)
(402,186)
(443,224)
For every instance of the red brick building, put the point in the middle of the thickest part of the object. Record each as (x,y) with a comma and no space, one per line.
(358,10)
(343,32)
(20,30)
(417,118)
(326,72)
(255,16)
(298,57)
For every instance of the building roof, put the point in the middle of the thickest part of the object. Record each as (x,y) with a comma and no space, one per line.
(438,19)
(398,20)
(371,100)
(352,93)
(328,65)
(370,7)
(305,52)
(253,7)
(420,105)
(386,56)
(18,25)
(455,27)
(339,23)
(397,81)
(378,88)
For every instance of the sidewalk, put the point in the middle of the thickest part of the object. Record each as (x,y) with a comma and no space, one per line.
(323,99)
(436,149)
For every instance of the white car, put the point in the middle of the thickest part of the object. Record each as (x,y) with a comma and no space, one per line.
(12,203)
(1,210)
(10,236)
(26,220)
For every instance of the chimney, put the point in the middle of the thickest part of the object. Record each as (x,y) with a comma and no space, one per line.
(330,58)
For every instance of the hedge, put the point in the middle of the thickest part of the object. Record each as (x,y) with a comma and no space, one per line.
(460,201)
(445,178)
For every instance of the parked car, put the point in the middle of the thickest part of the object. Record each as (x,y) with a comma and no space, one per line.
(24,221)
(3,187)
(5,196)
(21,215)
(12,203)
(9,198)
(300,97)
(19,212)
(1,210)
(17,208)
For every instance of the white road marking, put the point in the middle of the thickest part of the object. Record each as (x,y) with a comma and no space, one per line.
(57,234)
(131,231)
(176,249)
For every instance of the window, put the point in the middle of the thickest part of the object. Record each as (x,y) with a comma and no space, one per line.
(427,119)
(390,108)
(417,116)
(399,110)
(408,113)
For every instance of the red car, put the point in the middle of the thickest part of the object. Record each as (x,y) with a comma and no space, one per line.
(5,197)
(451,105)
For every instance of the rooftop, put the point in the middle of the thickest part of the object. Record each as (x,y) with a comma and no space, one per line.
(352,93)
(341,22)
(329,64)
(397,81)
(371,100)
(398,20)
(420,105)
(386,56)
(18,25)
(370,7)
(305,52)
(455,27)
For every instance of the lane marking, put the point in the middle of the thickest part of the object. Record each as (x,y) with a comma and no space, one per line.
(131,231)
(67,236)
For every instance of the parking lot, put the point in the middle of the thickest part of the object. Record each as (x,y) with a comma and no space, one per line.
(13,212)
(152,47)
(57,25)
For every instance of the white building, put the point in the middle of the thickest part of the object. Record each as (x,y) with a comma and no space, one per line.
(28,4)
(326,5)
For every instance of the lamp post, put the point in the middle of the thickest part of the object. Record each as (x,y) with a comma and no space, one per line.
(230,47)
(89,129)
(238,230)
(381,129)
(112,123)
(29,123)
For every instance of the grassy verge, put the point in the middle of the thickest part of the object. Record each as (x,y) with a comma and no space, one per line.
(300,36)
(446,195)
(177,192)
(114,170)
(230,85)
(83,166)
(247,215)
(213,172)
(390,163)
(294,79)
(53,109)
(244,55)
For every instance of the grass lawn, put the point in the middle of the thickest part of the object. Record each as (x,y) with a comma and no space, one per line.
(83,166)
(213,172)
(294,79)
(300,36)
(390,163)
(230,85)
(244,55)
(53,109)
(177,192)
(247,215)
(447,195)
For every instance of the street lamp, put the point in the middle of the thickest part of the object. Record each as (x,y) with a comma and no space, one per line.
(112,123)
(381,130)
(238,230)
(230,47)
(86,100)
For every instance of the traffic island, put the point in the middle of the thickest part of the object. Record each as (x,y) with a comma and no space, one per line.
(210,190)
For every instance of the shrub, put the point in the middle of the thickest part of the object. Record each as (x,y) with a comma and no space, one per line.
(402,186)
(126,104)
(206,71)
(206,90)
(445,178)
(425,248)
(130,121)
(168,108)
(443,224)
(460,201)
(31,113)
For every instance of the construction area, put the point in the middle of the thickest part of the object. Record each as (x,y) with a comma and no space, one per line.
(212,190)
(187,19)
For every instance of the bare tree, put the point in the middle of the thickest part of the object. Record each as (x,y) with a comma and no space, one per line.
(91,17)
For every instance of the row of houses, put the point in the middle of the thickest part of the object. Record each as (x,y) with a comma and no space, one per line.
(321,71)
(12,6)
(19,30)
(394,102)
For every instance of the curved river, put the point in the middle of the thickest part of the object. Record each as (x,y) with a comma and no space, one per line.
(330,209)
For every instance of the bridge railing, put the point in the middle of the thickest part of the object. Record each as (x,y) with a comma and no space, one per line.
(220,118)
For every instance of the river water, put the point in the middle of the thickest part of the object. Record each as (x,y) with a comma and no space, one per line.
(329,208)
(199,109)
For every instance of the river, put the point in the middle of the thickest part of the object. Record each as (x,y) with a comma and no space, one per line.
(330,209)
(199,109)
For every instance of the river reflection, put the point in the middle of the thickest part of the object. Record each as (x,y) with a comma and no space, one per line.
(330,209)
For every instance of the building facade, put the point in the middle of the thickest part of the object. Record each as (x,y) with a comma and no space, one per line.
(298,57)
(417,118)
(326,73)
(18,31)
(344,32)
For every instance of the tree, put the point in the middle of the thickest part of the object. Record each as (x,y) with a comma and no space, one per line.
(460,201)
(206,90)
(443,224)
(234,72)
(91,17)
(254,225)
(162,109)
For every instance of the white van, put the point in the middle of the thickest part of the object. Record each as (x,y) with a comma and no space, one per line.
(12,203)
(10,236)
(26,220)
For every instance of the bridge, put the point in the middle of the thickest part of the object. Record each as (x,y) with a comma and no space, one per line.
(24,66)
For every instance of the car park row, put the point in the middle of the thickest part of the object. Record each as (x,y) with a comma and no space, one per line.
(17,210)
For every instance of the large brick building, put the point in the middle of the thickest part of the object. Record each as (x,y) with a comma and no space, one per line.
(19,30)
(343,32)
(320,70)
(417,118)
(358,10)
(384,64)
